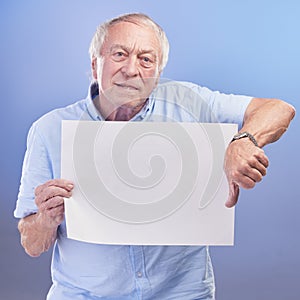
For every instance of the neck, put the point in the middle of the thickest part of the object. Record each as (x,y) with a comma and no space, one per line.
(123,112)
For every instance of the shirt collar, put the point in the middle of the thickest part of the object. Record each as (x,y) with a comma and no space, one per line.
(95,115)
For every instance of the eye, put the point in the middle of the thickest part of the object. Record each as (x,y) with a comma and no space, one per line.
(146,61)
(118,55)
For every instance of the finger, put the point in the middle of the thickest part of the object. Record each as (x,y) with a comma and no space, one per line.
(56,211)
(54,191)
(233,196)
(52,203)
(260,155)
(260,167)
(252,169)
(263,159)
(248,181)
(50,193)
(250,178)
(62,183)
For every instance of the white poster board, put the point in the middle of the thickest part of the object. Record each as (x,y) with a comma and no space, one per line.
(144,183)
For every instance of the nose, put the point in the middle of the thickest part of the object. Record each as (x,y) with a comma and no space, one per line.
(130,68)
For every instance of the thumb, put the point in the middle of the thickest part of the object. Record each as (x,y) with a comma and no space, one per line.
(234,191)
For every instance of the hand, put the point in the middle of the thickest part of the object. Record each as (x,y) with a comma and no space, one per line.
(49,198)
(245,164)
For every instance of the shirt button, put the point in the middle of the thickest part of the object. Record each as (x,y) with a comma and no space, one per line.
(139,274)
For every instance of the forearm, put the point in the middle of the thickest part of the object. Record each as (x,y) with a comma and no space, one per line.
(35,237)
(39,231)
(267,119)
(244,163)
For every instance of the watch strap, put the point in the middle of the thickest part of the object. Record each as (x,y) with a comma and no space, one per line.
(244,135)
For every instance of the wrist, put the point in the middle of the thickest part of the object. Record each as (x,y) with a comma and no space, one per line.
(243,135)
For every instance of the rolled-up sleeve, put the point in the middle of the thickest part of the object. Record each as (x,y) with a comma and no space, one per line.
(35,171)
(223,108)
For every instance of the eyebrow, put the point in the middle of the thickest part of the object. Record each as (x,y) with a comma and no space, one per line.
(141,51)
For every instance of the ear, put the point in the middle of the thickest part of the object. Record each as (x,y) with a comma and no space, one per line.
(94,67)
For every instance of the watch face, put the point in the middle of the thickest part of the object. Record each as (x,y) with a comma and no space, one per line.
(241,135)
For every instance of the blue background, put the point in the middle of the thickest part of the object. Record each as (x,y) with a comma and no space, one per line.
(246,47)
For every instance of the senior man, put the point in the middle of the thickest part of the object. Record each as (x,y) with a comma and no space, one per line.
(128,54)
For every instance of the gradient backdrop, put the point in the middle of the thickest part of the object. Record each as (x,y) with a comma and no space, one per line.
(247,47)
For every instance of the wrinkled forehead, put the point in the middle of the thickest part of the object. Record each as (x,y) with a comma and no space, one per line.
(132,33)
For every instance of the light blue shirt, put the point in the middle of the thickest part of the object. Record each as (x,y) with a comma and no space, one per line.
(90,271)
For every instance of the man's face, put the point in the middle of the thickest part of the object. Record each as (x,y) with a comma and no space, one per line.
(128,69)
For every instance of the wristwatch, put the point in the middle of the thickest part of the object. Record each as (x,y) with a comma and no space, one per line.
(244,134)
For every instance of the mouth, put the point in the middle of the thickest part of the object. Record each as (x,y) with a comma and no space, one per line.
(127,86)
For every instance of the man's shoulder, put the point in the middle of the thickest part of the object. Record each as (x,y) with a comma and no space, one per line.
(70,112)
(53,118)
(168,83)
(183,92)
(180,87)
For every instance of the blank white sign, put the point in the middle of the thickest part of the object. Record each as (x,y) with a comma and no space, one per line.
(147,183)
